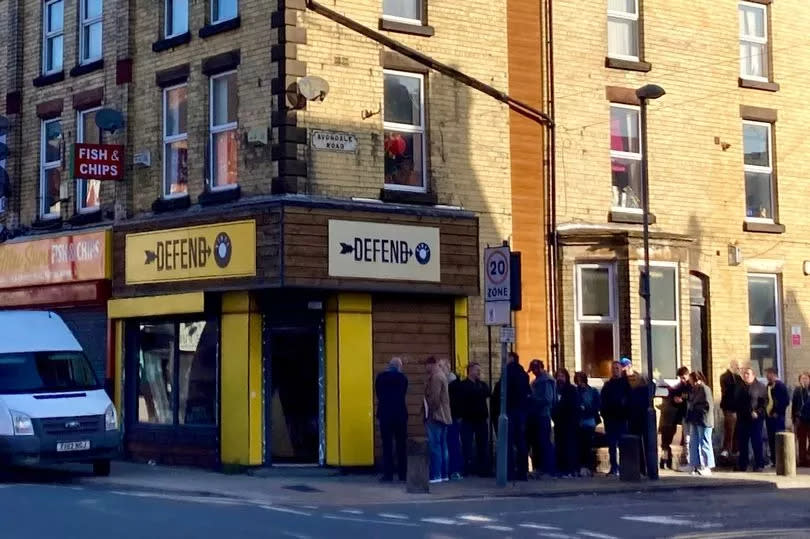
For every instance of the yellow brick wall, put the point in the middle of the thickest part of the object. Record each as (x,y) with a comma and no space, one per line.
(468,132)
(696,187)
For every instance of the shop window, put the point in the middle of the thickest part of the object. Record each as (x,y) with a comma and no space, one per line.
(623,39)
(223,10)
(91,14)
(404,124)
(597,322)
(758,165)
(177,373)
(87,191)
(625,157)
(223,139)
(176,18)
(53,30)
(753,41)
(50,170)
(408,11)
(175,141)
(664,314)
(764,322)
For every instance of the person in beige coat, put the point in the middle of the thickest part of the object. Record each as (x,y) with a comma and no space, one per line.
(437,418)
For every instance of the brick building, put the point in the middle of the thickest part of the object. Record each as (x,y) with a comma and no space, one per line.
(726,166)
(266,254)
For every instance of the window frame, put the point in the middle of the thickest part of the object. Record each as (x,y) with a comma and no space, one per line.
(214,4)
(625,16)
(80,207)
(662,323)
(168,139)
(408,128)
(580,319)
(49,35)
(407,20)
(84,22)
(768,330)
(756,40)
(628,155)
(761,170)
(167,34)
(214,130)
(44,166)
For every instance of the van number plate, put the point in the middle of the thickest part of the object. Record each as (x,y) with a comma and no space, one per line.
(73,446)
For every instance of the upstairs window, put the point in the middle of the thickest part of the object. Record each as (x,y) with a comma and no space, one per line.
(623,40)
(404,124)
(223,141)
(223,10)
(176,18)
(625,157)
(87,191)
(409,11)
(53,28)
(50,170)
(759,199)
(90,35)
(753,41)
(175,141)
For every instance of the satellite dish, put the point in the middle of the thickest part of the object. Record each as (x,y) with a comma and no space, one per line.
(109,120)
(3,151)
(313,88)
(4,125)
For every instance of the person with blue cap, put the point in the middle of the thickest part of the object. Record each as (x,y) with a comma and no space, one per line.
(638,401)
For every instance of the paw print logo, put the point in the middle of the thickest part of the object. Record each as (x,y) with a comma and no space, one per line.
(423,253)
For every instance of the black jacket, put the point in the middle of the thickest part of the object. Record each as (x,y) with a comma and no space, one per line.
(750,399)
(683,391)
(566,411)
(391,387)
(615,396)
(474,398)
(455,391)
(518,389)
(781,398)
(639,399)
(800,397)
(729,382)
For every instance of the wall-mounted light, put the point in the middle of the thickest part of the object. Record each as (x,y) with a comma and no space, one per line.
(734,255)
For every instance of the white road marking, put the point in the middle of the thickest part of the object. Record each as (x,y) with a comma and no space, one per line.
(475,518)
(596,535)
(309,506)
(369,520)
(499,528)
(296,535)
(552,535)
(393,515)
(181,498)
(666,520)
(285,510)
(539,527)
(351,511)
(439,520)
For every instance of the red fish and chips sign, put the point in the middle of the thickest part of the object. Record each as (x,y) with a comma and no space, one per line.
(98,161)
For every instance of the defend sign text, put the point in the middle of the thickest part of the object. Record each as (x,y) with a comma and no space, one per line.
(98,161)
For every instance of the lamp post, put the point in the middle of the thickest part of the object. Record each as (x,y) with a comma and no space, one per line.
(644,94)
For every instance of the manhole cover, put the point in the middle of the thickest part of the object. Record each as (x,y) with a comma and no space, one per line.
(301,488)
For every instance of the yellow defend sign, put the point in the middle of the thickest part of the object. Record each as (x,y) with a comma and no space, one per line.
(217,251)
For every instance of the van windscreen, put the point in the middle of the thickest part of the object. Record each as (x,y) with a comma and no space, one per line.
(43,372)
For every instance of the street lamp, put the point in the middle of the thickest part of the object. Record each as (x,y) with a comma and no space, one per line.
(644,94)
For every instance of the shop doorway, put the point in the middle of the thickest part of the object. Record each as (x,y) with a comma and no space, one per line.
(294,400)
(699,317)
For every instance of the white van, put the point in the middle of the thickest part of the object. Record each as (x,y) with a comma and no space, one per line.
(52,407)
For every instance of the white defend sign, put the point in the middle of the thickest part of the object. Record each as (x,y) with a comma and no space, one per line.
(496,271)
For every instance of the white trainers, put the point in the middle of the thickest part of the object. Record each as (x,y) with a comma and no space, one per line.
(724,454)
(705,472)
(432,481)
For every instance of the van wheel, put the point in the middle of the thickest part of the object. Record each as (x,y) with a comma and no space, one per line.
(101,468)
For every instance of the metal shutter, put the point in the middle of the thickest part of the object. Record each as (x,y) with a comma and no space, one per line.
(89,325)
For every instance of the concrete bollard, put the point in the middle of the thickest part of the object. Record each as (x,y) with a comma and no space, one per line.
(785,453)
(418,467)
(630,458)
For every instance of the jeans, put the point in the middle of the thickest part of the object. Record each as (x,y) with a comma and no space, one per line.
(437,440)
(750,431)
(393,432)
(701,453)
(518,454)
(476,460)
(455,464)
(774,425)
(538,433)
(614,430)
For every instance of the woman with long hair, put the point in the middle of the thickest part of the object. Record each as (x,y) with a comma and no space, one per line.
(700,419)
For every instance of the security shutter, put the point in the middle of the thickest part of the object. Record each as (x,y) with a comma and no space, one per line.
(90,328)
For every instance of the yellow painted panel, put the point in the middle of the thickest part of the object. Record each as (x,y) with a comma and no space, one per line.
(237,303)
(255,380)
(354,303)
(355,385)
(462,337)
(332,401)
(235,429)
(197,252)
(190,303)
(118,367)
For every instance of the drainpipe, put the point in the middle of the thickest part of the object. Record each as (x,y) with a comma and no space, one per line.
(553,265)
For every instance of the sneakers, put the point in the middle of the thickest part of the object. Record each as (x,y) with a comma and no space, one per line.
(445,479)
(456,476)
(724,454)
(434,481)
(705,472)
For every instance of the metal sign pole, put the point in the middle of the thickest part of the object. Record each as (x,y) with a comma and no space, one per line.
(503,425)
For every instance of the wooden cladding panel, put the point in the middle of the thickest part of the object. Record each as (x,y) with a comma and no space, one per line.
(412,328)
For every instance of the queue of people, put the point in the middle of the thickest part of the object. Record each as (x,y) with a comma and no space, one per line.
(553,419)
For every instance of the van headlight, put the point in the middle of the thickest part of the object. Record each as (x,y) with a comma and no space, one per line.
(21,423)
(110,418)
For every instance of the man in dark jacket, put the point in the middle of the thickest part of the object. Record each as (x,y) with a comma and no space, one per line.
(775,409)
(673,413)
(391,386)
(800,410)
(729,382)
(750,399)
(474,425)
(566,415)
(639,399)
(517,402)
(538,425)
(614,398)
